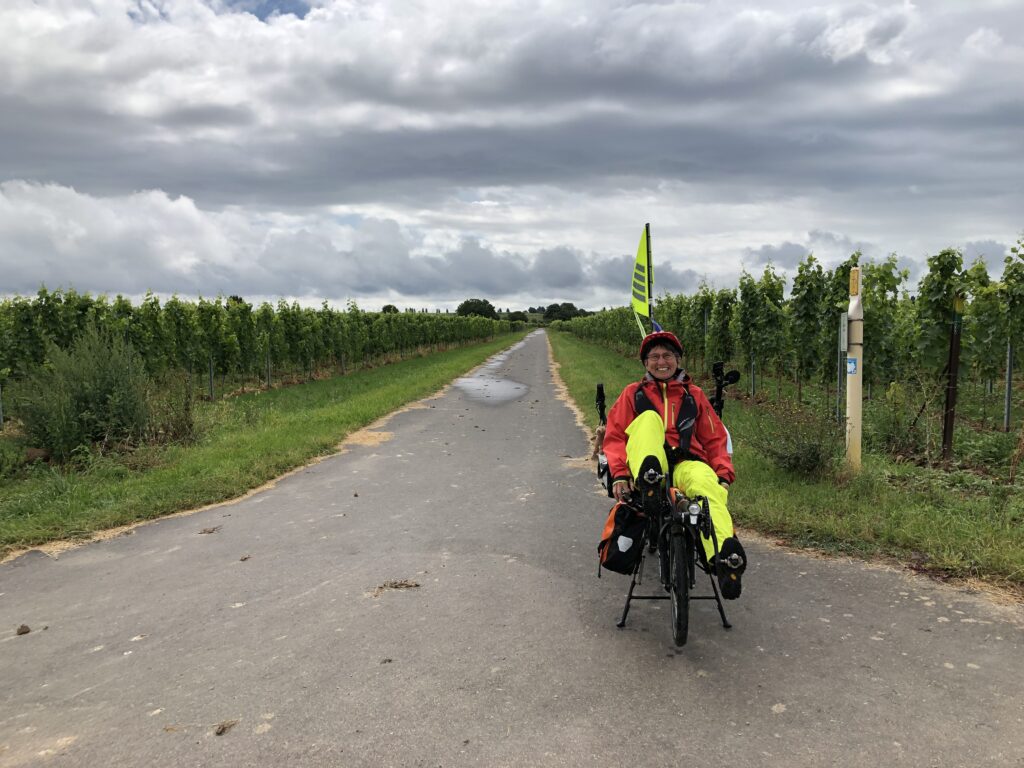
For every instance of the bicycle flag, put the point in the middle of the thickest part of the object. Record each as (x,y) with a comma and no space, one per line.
(643,282)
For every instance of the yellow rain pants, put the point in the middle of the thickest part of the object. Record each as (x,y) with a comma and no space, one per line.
(646,435)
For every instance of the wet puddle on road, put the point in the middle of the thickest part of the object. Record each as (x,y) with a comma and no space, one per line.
(487,386)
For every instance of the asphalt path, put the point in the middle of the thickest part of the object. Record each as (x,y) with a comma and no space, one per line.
(431,600)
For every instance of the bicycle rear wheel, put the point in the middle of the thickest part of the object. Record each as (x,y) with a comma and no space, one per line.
(680,588)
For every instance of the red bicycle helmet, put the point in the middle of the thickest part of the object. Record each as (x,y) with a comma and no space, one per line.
(664,338)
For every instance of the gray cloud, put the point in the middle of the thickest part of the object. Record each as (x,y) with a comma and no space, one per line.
(991,252)
(348,146)
(786,255)
(615,274)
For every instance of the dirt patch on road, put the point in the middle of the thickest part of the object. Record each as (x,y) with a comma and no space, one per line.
(365,437)
(394,584)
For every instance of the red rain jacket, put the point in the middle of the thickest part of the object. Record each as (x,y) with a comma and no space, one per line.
(708,442)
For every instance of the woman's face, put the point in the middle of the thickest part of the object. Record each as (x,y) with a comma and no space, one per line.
(662,362)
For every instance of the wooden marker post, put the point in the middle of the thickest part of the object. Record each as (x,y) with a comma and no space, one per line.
(952,377)
(854,372)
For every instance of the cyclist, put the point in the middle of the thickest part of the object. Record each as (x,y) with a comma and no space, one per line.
(665,420)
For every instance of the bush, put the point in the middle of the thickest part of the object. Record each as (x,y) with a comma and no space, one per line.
(95,392)
(796,438)
(12,458)
(171,412)
(892,427)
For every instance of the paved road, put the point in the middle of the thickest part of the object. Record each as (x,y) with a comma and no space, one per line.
(506,654)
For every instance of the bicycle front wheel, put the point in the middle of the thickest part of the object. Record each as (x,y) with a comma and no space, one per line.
(680,588)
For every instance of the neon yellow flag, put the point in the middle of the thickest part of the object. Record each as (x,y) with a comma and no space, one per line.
(642,277)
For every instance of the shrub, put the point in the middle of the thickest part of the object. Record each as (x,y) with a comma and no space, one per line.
(891,426)
(95,392)
(795,437)
(171,411)
(12,458)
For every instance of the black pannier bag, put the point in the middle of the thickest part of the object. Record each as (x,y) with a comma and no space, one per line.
(622,539)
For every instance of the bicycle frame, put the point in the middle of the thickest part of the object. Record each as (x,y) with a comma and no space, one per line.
(688,520)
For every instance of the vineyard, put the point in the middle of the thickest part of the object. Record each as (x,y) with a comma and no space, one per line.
(788,348)
(66,355)
(229,334)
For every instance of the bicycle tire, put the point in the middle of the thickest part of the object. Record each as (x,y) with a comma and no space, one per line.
(680,592)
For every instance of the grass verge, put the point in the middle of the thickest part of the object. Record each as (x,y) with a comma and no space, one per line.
(952,524)
(246,441)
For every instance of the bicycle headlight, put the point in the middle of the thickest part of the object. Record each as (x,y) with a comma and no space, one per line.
(694,508)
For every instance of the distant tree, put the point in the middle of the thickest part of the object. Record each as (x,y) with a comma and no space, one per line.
(521,317)
(564,311)
(481,307)
(390,309)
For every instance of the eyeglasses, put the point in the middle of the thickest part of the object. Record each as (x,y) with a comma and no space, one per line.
(665,356)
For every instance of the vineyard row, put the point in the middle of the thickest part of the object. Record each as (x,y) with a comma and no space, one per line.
(228,336)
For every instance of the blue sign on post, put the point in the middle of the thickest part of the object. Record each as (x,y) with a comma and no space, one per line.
(851,366)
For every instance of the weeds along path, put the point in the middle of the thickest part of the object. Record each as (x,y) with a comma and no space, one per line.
(428,598)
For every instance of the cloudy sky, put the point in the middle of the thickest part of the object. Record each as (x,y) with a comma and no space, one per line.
(422,152)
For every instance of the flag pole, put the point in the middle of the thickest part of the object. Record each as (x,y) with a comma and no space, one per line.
(639,322)
(650,274)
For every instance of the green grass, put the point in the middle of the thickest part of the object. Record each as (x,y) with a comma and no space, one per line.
(957,523)
(246,441)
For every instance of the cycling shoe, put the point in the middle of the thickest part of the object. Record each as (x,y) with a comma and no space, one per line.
(731,563)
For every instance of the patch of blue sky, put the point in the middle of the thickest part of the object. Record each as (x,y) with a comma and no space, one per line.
(348,219)
(263,9)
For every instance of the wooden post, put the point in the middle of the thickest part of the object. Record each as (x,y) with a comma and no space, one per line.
(844,325)
(952,378)
(1009,386)
(854,371)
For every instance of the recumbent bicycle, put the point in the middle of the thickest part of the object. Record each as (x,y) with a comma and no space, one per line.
(674,526)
